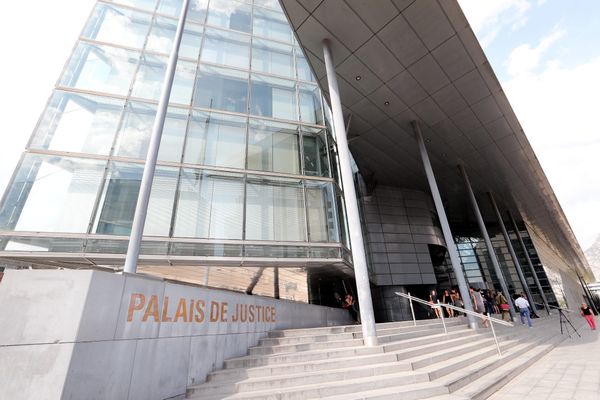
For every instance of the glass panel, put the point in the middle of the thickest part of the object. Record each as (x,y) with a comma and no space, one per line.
(275,251)
(226,48)
(120,194)
(100,68)
(52,194)
(322,218)
(206,249)
(273,58)
(117,25)
(273,97)
(196,11)
(310,104)
(216,139)
(273,147)
(163,32)
(231,15)
(334,160)
(304,71)
(78,123)
(16,243)
(210,205)
(325,252)
(134,135)
(315,152)
(272,25)
(151,74)
(221,89)
(274,209)
(143,4)
(274,4)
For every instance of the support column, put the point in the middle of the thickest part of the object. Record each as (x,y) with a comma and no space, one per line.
(513,255)
(529,263)
(359,258)
(488,242)
(141,208)
(448,237)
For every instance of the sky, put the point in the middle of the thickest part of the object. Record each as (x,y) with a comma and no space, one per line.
(544,52)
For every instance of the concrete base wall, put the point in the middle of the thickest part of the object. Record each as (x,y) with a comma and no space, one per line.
(96,335)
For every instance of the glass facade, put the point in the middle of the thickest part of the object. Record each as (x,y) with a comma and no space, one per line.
(245,160)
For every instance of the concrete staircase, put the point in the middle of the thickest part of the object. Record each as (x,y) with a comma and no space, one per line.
(410,362)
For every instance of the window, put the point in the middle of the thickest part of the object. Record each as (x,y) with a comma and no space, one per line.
(304,71)
(134,135)
(149,5)
(310,104)
(273,58)
(226,48)
(316,162)
(78,123)
(216,139)
(117,25)
(196,11)
(274,209)
(273,97)
(273,147)
(162,34)
(322,217)
(231,15)
(272,25)
(151,74)
(100,69)
(52,194)
(221,89)
(210,205)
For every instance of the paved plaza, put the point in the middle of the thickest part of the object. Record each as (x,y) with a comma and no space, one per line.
(570,371)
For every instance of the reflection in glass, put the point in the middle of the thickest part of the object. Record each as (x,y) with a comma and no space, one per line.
(100,69)
(119,197)
(149,5)
(52,194)
(272,25)
(162,34)
(78,123)
(134,135)
(221,89)
(226,48)
(273,147)
(216,139)
(196,11)
(310,104)
(151,74)
(273,97)
(316,162)
(273,58)
(322,217)
(117,25)
(231,15)
(210,205)
(274,209)
(304,71)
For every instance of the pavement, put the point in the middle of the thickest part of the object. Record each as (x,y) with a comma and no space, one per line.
(570,371)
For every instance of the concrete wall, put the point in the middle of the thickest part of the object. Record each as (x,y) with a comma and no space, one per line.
(400,225)
(96,335)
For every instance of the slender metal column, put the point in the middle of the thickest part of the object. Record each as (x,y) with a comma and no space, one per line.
(448,237)
(588,293)
(529,263)
(486,238)
(359,258)
(512,253)
(141,208)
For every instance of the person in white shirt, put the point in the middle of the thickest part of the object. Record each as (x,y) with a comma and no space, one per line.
(523,306)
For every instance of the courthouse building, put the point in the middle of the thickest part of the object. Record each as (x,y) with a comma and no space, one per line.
(249,192)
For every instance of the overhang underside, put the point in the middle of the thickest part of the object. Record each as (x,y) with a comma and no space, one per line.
(403,60)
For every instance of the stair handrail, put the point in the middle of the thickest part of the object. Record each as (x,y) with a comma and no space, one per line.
(441,306)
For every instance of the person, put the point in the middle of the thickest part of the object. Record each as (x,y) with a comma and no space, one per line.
(478,305)
(504,306)
(447,299)
(523,306)
(350,305)
(457,301)
(587,313)
(488,299)
(433,299)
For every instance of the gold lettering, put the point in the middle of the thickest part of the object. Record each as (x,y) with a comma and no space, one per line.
(214,311)
(234,317)
(244,313)
(251,313)
(273,314)
(181,310)
(134,305)
(191,315)
(200,310)
(224,312)
(165,310)
(152,309)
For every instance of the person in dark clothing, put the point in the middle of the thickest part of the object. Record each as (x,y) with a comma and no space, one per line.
(587,313)
(350,305)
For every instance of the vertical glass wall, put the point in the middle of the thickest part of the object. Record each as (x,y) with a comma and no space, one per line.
(245,154)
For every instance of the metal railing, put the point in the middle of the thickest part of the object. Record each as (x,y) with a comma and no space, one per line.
(441,307)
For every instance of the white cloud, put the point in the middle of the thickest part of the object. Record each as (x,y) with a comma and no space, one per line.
(558,110)
(524,59)
(488,18)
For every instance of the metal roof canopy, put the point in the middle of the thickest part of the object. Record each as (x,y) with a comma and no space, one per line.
(404,60)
